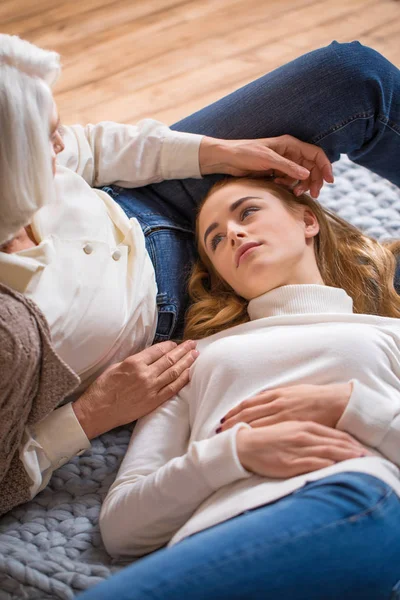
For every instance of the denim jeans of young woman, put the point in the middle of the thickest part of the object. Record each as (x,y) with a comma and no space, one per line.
(333,539)
(344,98)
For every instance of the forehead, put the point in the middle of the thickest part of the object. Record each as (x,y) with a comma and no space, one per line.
(219,202)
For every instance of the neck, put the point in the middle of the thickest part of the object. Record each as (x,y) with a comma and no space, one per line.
(300,299)
(22,241)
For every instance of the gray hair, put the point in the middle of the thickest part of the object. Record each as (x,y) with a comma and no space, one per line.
(26,179)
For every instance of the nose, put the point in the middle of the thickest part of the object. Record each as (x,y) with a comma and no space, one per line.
(235,233)
(60,144)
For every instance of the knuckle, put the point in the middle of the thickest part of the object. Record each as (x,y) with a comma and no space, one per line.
(173,374)
(310,425)
(170,360)
(301,437)
(169,391)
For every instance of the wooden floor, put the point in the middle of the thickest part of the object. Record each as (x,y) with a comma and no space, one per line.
(124,60)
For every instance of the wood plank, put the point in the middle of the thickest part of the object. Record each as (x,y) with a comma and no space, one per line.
(126,59)
(237,69)
(136,42)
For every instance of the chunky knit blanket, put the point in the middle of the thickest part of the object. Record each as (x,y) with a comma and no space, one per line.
(51,548)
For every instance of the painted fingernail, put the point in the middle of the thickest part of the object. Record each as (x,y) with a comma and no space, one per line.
(222,420)
(219,430)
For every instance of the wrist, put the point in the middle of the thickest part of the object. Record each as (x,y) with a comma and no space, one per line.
(89,411)
(341,393)
(212,153)
(244,443)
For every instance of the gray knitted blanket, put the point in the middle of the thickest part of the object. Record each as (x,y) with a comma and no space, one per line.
(51,547)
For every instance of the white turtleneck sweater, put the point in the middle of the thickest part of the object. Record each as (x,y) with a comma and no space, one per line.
(180,477)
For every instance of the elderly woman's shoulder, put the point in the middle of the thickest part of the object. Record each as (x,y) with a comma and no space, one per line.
(20,336)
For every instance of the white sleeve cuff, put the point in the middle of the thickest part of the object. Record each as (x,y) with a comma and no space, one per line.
(219,459)
(61,436)
(366,416)
(180,155)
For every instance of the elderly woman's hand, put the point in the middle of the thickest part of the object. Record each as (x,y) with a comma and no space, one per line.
(134,387)
(296,164)
(323,404)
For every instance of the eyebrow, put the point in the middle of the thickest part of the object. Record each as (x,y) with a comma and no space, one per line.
(232,208)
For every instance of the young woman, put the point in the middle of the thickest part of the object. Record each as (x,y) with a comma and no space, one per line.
(298,496)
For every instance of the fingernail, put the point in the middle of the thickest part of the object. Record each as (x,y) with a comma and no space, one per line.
(195,353)
(222,420)
(219,430)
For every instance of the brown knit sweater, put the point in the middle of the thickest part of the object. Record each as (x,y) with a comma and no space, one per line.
(33,381)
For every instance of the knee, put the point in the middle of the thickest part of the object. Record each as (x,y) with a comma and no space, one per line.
(357,63)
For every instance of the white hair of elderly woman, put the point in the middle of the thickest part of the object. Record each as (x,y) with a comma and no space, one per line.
(26,180)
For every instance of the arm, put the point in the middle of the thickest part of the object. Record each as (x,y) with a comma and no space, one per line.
(149,152)
(372,415)
(370,412)
(163,479)
(50,444)
(130,155)
(123,393)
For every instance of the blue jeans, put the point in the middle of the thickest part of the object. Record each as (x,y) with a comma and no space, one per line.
(344,98)
(333,539)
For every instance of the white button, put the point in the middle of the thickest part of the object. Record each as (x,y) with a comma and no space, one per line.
(88,249)
(116,255)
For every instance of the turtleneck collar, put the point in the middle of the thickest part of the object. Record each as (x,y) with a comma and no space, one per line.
(300,299)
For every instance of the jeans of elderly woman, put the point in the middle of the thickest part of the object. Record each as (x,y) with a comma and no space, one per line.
(335,538)
(344,98)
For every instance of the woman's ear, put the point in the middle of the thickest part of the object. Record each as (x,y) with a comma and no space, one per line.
(311,225)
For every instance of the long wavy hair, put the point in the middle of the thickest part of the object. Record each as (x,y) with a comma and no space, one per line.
(346,258)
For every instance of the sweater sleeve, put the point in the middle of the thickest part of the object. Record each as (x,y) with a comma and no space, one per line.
(372,414)
(50,444)
(373,417)
(130,155)
(163,479)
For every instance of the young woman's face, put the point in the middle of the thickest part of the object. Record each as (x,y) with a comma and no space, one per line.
(56,141)
(254,242)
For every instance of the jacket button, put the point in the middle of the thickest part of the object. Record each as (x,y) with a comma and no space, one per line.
(88,249)
(116,255)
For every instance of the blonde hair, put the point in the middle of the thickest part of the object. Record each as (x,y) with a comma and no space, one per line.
(26,179)
(346,259)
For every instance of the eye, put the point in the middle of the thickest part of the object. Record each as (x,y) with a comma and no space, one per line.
(215,241)
(247,211)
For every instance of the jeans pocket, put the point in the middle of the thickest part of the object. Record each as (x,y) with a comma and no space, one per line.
(167,315)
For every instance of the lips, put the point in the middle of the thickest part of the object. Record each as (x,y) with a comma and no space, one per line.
(243,248)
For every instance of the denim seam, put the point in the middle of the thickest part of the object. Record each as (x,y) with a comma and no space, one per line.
(391,125)
(289,539)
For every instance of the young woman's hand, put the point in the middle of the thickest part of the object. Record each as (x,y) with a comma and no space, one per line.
(293,448)
(323,404)
(134,387)
(296,164)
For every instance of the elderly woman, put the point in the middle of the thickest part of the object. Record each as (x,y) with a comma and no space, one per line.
(106,264)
